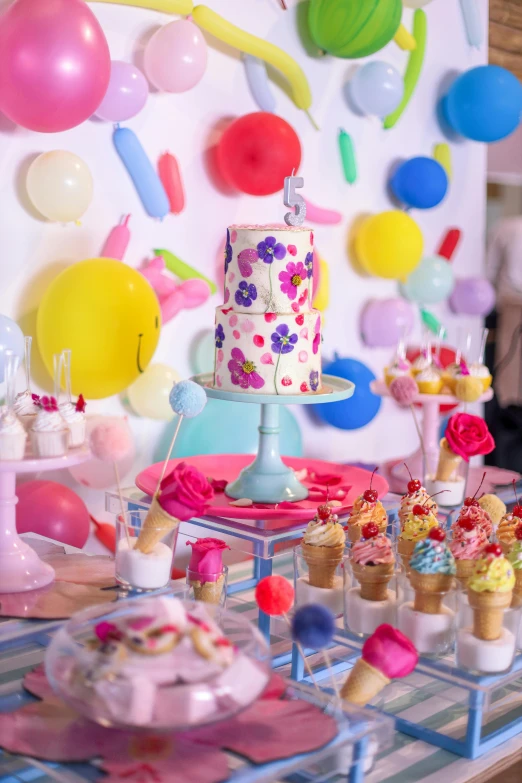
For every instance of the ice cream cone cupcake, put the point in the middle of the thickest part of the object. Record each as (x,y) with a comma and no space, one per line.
(467,544)
(205,572)
(416,496)
(386,655)
(490,590)
(373,563)
(473,512)
(429,381)
(366,508)
(515,558)
(417,525)
(509,523)
(432,569)
(184,493)
(323,547)
(494,507)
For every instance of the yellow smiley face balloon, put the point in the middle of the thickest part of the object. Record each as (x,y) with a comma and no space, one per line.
(109,316)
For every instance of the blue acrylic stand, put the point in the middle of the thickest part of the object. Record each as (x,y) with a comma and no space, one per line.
(268,479)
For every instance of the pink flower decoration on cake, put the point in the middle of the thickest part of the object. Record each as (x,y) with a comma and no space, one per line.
(259,340)
(232,320)
(317,336)
(286,381)
(267,358)
(227,295)
(243,372)
(303,356)
(247,326)
(245,260)
(292,278)
(269,317)
(233,236)
(292,250)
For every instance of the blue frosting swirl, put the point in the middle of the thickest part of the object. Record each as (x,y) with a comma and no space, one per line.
(432,557)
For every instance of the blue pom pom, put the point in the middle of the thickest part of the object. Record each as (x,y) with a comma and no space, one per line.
(187,399)
(313,626)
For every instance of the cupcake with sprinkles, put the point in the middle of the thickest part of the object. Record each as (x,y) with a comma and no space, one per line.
(373,563)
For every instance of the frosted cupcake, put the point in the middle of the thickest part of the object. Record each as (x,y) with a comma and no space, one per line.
(26,408)
(323,547)
(399,367)
(12,437)
(467,545)
(429,381)
(49,433)
(74,417)
(416,496)
(481,372)
(416,527)
(507,528)
(367,508)
(421,363)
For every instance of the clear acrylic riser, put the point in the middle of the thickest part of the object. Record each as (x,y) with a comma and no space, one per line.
(351,754)
(439,703)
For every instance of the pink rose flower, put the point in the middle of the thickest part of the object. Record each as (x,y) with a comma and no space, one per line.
(207,558)
(468,436)
(389,651)
(185,492)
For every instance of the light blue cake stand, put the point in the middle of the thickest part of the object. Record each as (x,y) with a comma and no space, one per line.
(268,479)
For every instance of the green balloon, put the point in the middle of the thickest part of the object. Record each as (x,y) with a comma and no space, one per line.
(353,28)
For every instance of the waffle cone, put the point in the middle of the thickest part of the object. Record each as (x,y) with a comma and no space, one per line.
(465,569)
(516,600)
(209,592)
(156,525)
(363,683)
(405,549)
(429,591)
(448,462)
(488,613)
(506,546)
(322,562)
(373,580)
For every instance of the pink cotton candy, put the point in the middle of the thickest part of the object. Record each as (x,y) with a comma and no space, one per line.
(389,651)
(403,390)
(207,558)
(111,441)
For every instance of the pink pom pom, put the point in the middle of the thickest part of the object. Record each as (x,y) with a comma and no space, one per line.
(403,390)
(111,441)
(389,651)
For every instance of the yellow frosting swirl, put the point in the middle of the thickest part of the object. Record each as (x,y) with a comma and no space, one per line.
(506,529)
(417,527)
(320,533)
(364,512)
(493,575)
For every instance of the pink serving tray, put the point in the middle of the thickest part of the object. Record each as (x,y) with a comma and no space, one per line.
(228,466)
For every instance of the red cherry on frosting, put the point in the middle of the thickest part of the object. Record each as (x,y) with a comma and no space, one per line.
(418,510)
(471,502)
(518,532)
(413,486)
(370,495)
(466,524)
(517,511)
(493,549)
(370,530)
(437,534)
(324,511)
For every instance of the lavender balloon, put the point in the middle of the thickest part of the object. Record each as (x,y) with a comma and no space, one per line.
(126,95)
(385,321)
(472,296)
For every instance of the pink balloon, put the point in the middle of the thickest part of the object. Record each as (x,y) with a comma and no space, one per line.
(96,474)
(384,321)
(54,64)
(52,510)
(176,56)
(126,95)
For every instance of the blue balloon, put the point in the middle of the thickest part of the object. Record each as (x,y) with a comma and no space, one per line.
(432,281)
(376,88)
(359,410)
(11,339)
(147,183)
(484,103)
(225,427)
(420,183)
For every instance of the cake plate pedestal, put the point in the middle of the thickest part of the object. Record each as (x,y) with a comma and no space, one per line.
(396,471)
(268,479)
(20,567)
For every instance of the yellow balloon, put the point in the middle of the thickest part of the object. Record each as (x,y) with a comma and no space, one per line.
(59,185)
(109,316)
(149,395)
(389,245)
(182,7)
(322,297)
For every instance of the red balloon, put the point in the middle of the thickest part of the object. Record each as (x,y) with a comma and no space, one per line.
(52,510)
(257,152)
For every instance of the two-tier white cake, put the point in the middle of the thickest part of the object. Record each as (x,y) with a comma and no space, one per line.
(268,336)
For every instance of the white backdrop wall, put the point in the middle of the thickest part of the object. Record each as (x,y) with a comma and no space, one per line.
(32,251)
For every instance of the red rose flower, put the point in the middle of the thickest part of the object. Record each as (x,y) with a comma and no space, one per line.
(185,493)
(468,436)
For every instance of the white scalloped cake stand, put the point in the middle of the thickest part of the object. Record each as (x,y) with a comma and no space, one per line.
(268,479)
(20,567)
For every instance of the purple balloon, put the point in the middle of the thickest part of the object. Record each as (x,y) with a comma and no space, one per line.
(54,64)
(385,321)
(472,296)
(126,95)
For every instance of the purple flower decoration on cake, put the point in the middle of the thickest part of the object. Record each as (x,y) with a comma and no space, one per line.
(314,380)
(282,342)
(220,336)
(228,252)
(270,249)
(243,372)
(292,278)
(245,294)
(309,264)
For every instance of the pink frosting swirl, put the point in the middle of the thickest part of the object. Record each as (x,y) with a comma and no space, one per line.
(477,515)
(467,544)
(372,551)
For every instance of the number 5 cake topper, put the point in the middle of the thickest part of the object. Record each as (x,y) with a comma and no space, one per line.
(295,200)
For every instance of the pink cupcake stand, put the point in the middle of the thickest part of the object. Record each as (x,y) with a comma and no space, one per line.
(20,567)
